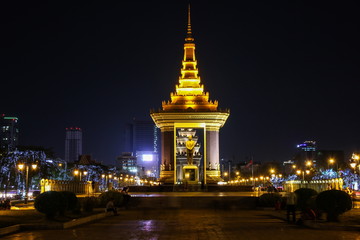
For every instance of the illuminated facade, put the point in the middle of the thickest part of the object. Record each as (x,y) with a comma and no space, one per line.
(190,108)
(127,163)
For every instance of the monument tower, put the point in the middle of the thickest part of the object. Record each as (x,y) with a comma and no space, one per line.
(187,116)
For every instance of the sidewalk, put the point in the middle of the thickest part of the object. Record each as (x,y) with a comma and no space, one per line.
(350,220)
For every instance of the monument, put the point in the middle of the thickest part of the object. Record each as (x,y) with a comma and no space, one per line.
(189,125)
(190,144)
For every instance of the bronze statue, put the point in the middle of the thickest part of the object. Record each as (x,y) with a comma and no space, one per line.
(190,144)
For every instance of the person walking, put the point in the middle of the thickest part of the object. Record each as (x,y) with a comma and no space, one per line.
(291,206)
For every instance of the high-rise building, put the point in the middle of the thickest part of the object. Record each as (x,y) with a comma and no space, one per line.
(306,152)
(127,163)
(142,141)
(73,144)
(9,133)
(141,135)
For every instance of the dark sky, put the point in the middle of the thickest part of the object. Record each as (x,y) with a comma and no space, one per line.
(287,70)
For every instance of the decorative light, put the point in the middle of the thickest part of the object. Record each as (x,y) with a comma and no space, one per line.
(21,166)
(353,164)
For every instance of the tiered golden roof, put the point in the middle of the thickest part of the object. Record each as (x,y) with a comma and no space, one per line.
(189,93)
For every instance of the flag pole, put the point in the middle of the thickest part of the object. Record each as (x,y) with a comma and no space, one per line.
(252,171)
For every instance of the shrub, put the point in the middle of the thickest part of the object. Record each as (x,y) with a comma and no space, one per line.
(333,203)
(70,199)
(89,203)
(269,199)
(106,196)
(50,203)
(304,196)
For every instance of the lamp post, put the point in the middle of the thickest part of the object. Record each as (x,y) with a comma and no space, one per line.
(107,178)
(225,175)
(80,173)
(354,161)
(21,167)
(65,169)
(331,162)
(301,172)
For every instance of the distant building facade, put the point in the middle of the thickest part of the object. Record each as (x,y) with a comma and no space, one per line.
(127,163)
(9,133)
(73,144)
(141,153)
(306,151)
(141,135)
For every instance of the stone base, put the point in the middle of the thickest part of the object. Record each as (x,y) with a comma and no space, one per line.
(167,177)
(190,174)
(213,177)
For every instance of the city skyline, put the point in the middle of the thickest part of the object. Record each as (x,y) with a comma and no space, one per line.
(287,72)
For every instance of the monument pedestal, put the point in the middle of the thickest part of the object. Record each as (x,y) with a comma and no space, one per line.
(167,177)
(191,174)
(213,176)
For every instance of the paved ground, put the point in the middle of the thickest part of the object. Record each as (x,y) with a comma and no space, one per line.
(192,194)
(189,224)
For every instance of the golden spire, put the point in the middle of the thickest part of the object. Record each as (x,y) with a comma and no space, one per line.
(189,93)
(189,37)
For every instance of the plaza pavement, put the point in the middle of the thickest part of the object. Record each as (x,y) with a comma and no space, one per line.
(212,223)
(186,224)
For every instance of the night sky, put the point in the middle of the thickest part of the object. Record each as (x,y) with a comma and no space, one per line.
(287,70)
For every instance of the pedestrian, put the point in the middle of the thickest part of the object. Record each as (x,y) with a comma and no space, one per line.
(126,196)
(110,206)
(291,206)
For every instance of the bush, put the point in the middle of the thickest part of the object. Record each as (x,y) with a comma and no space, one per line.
(304,198)
(88,203)
(269,199)
(70,199)
(106,196)
(50,203)
(333,203)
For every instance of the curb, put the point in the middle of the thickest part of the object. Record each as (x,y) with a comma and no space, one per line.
(10,229)
(66,225)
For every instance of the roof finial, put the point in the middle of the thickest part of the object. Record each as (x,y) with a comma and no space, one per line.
(189,37)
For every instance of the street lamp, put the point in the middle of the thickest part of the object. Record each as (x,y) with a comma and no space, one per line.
(225,174)
(301,172)
(272,172)
(107,178)
(331,162)
(21,167)
(78,172)
(354,161)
